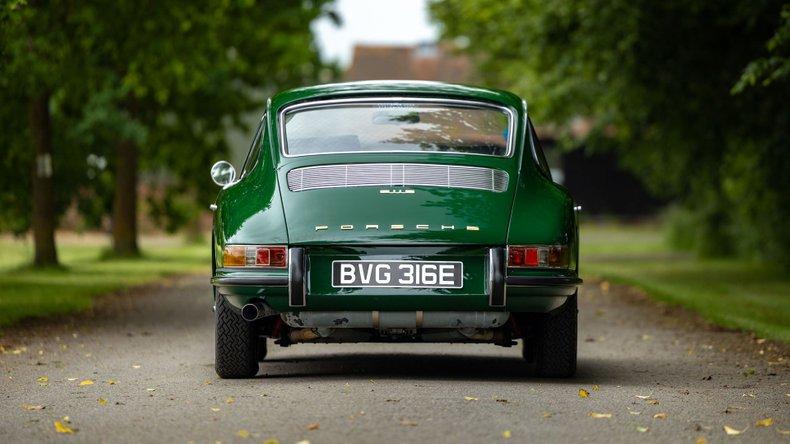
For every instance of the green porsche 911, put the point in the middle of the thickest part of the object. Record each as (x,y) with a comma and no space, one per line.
(394,212)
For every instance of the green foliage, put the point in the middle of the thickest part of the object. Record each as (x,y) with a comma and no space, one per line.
(655,81)
(171,76)
(776,66)
(733,293)
(86,274)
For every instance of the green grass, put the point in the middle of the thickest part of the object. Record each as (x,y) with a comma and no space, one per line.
(26,292)
(733,293)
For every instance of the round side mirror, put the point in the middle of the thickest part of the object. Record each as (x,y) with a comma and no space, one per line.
(223,173)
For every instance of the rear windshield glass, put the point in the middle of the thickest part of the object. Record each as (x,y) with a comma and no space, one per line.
(397,126)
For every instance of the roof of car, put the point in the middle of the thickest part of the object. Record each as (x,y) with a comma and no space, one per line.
(394,88)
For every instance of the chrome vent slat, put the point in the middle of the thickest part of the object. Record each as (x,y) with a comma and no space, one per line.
(397,174)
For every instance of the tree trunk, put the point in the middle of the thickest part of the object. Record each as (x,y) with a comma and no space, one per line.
(43,191)
(124,205)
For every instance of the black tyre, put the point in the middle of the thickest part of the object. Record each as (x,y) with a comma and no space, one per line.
(237,343)
(550,342)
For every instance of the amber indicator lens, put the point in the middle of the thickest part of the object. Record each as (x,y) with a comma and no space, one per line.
(234,256)
(254,256)
(538,256)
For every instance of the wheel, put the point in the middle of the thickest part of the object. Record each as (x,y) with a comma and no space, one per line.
(550,343)
(237,343)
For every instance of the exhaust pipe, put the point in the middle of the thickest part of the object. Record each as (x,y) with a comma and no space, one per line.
(253,311)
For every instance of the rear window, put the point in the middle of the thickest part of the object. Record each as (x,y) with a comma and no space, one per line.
(402,126)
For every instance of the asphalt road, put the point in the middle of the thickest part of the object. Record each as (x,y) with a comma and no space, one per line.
(149,354)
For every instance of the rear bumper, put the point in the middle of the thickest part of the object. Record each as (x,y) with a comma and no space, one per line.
(543,281)
(288,290)
(510,281)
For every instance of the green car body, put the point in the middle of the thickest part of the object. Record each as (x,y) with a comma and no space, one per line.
(415,222)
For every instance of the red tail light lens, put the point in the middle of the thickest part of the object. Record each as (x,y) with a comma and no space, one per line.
(279,257)
(538,256)
(254,256)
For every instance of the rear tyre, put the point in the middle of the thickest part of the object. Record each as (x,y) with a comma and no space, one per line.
(237,343)
(550,343)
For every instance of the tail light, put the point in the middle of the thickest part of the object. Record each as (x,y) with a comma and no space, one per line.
(254,256)
(538,256)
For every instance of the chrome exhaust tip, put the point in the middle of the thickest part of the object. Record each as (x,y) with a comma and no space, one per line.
(253,311)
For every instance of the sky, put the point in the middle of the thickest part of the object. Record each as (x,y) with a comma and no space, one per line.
(401,22)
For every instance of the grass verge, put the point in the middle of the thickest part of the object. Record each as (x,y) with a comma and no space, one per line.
(733,293)
(26,292)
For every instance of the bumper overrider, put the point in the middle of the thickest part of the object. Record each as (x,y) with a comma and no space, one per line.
(287,289)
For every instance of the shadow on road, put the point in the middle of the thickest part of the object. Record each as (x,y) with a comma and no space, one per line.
(447,367)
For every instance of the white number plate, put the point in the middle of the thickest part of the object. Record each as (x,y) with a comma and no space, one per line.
(412,274)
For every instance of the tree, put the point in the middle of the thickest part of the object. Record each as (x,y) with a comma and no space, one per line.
(182,71)
(154,86)
(32,73)
(655,78)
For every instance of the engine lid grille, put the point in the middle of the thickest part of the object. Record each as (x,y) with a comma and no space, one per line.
(397,174)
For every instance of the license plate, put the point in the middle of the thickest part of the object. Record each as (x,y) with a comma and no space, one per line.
(391,274)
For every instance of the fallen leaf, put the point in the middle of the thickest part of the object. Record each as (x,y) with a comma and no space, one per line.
(701,440)
(62,428)
(596,388)
(506,434)
(661,415)
(243,433)
(215,409)
(584,393)
(150,389)
(102,401)
(470,398)
(304,441)
(33,407)
(641,429)
(313,426)
(646,337)
(732,431)
(230,400)
(111,382)
(86,382)
(407,422)
(644,396)
(634,412)
(652,401)
(600,415)
(135,365)
(42,380)
(273,441)
(605,286)
(71,379)
(767,422)
(783,432)
(548,414)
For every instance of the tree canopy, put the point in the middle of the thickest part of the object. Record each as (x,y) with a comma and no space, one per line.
(692,95)
(131,86)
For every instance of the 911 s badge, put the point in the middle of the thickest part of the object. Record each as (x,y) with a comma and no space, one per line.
(395,274)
